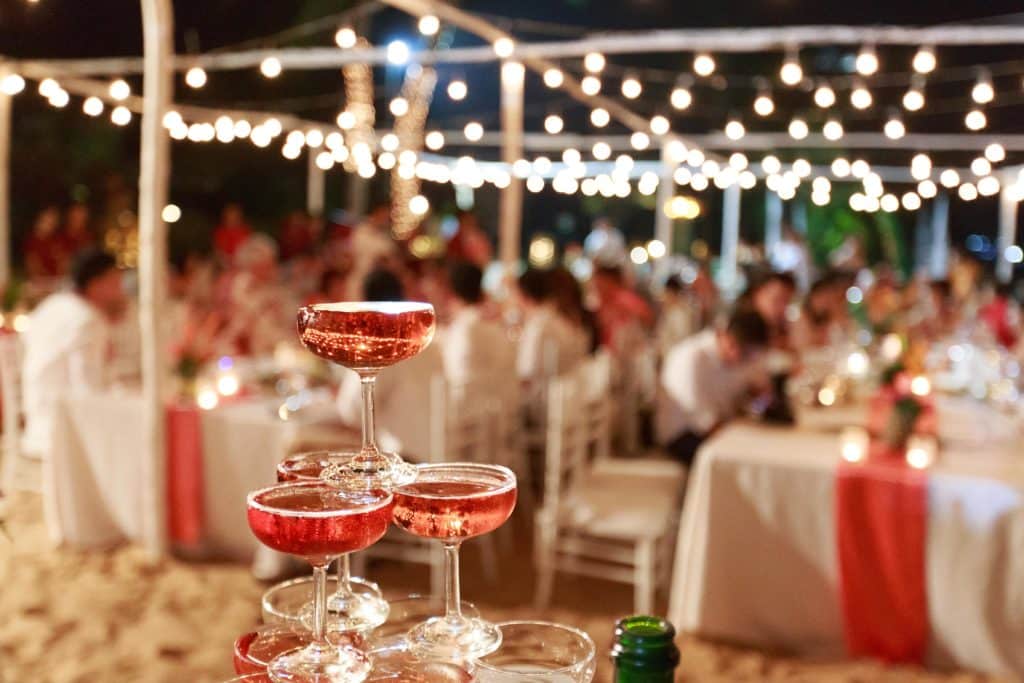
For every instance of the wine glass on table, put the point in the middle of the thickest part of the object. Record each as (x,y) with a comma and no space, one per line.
(318,522)
(368,336)
(452,502)
(356,604)
(538,652)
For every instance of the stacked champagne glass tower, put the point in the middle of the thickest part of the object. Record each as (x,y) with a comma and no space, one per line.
(328,505)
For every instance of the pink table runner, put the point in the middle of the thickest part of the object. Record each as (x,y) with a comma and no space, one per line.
(185,488)
(881,509)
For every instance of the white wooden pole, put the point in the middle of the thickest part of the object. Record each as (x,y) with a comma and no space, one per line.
(5,188)
(510,208)
(314,186)
(666,186)
(1007,231)
(772,223)
(730,239)
(940,236)
(154,166)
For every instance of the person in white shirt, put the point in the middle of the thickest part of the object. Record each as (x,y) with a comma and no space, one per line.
(704,381)
(605,244)
(476,350)
(67,344)
(677,318)
(402,395)
(548,345)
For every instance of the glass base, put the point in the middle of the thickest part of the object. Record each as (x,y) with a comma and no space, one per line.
(385,471)
(320,664)
(291,604)
(355,612)
(454,639)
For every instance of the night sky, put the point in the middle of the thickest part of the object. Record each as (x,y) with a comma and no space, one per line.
(56,151)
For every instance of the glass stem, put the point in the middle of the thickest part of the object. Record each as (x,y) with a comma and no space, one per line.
(344,576)
(369,436)
(319,602)
(452,591)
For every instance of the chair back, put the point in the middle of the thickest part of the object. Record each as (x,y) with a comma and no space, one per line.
(10,394)
(462,422)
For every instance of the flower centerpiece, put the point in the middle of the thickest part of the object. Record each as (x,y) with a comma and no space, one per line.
(902,406)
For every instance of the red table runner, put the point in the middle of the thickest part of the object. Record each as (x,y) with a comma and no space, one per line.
(881,510)
(185,489)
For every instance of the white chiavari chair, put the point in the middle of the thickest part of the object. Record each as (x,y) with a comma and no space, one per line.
(10,394)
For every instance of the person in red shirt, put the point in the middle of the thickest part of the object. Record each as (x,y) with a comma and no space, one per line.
(45,251)
(621,311)
(470,242)
(77,234)
(232,232)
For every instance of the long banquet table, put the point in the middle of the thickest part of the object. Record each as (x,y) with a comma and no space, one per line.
(757,563)
(92,496)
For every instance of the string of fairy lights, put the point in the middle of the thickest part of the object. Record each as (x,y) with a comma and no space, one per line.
(348,143)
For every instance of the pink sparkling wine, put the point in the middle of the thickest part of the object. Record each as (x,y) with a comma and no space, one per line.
(316,521)
(453,509)
(366,336)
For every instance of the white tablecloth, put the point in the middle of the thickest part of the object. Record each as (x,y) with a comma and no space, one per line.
(92,491)
(757,561)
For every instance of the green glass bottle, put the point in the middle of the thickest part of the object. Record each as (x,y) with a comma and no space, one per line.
(644,651)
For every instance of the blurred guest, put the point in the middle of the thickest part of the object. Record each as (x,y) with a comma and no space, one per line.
(568,299)
(770,297)
(470,242)
(370,244)
(45,251)
(605,244)
(705,380)
(231,234)
(1001,315)
(882,305)
(791,255)
(77,234)
(475,350)
(402,394)
(622,314)
(706,294)
(298,235)
(676,319)
(333,287)
(813,329)
(260,312)
(67,343)
(548,346)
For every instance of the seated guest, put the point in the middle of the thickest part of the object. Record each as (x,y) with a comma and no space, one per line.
(403,390)
(622,314)
(44,249)
(231,234)
(548,346)
(475,349)
(814,328)
(470,242)
(771,296)
(77,234)
(260,313)
(705,379)
(67,342)
(567,296)
(676,318)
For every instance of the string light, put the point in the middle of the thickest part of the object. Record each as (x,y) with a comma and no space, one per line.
(924,60)
(473,131)
(388,143)
(399,106)
(824,95)
(121,116)
(553,124)
(867,61)
(346,120)
(981,166)
(92,106)
(12,84)
(675,151)
(419,205)
(386,161)
(913,99)
(949,178)
(195,77)
(695,157)
(747,180)
(832,130)
(889,203)
(798,129)
(272,126)
(840,167)
(640,141)
(703,64)
(975,120)
(660,125)
(920,166)
(771,164)
(553,78)
(295,139)
(995,152)
(457,89)
(710,168)
(860,97)
(988,186)
(47,87)
(591,85)
(860,168)
(120,90)
(802,168)
(631,88)
(535,183)
(681,98)
(594,62)
(968,192)
(334,140)
(983,92)
(738,161)
(571,156)
(429,25)
(699,182)
(60,98)
(734,130)
(682,176)
(763,104)
(504,47)
(434,140)
(600,117)
(927,189)
(601,151)
(397,53)
(911,201)
(271,67)
(894,128)
(791,72)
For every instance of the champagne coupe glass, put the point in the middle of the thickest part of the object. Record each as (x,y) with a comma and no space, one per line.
(368,336)
(350,609)
(452,502)
(318,522)
(538,652)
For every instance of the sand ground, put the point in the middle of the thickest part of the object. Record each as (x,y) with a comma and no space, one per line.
(113,617)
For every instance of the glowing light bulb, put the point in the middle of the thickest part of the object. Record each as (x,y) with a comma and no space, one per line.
(434,140)
(399,106)
(798,129)
(553,78)
(457,89)
(504,47)
(92,106)
(832,130)
(553,124)
(600,117)
(734,130)
(995,152)
(346,37)
(911,201)
(860,97)
(824,96)
(419,205)
(927,189)
(398,52)
(968,192)
(631,88)
(913,99)
(983,92)
(120,90)
(639,141)
(763,105)
(840,167)
(12,84)
(121,116)
(473,131)
(681,98)
(703,64)
(601,151)
(867,61)
(591,85)
(791,72)
(271,67)
(975,120)
(195,77)
(924,60)
(594,62)
(981,166)
(771,164)
(949,178)
(988,186)
(894,129)
(660,125)
(429,25)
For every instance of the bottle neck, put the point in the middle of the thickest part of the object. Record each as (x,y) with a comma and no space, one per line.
(644,650)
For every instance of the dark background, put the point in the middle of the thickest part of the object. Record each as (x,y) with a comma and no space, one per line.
(60,155)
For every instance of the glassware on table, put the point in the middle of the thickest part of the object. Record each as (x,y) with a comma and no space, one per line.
(318,522)
(408,612)
(251,678)
(538,652)
(368,336)
(256,649)
(356,604)
(452,502)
